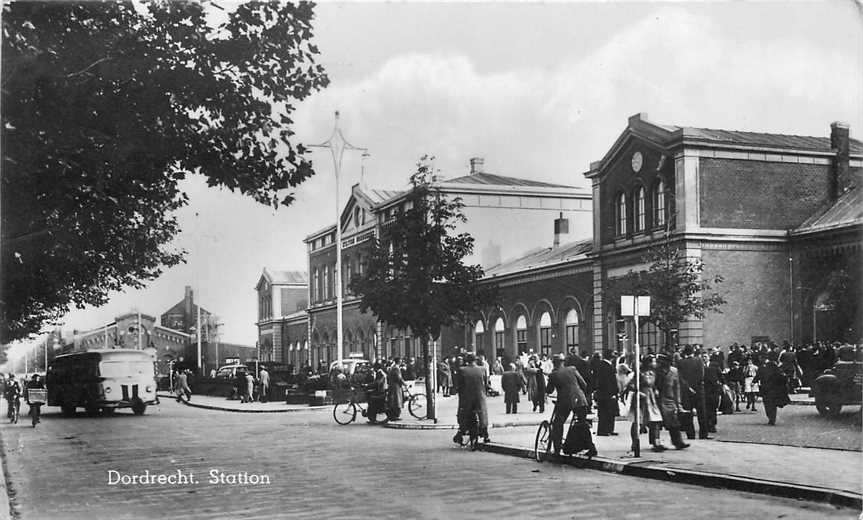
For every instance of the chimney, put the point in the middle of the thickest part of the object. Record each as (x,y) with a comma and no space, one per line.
(840,142)
(187,300)
(476,165)
(561,227)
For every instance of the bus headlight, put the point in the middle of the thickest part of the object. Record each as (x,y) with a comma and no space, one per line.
(148,389)
(108,390)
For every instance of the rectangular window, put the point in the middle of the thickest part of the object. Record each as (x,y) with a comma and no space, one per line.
(498,343)
(545,340)
(521,340)
(571,337)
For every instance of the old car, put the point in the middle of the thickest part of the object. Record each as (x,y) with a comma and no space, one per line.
(841,384)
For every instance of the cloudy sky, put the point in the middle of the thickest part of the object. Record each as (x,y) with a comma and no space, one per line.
(538,89)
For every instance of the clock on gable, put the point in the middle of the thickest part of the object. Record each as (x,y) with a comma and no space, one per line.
(637,161)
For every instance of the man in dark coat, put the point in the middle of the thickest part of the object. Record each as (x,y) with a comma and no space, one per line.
(691,373)
(713,381)
(512,384)
(471,398)
(605,378)
(571,398)
(773,386)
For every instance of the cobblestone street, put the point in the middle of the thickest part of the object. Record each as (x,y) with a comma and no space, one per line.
(322,470)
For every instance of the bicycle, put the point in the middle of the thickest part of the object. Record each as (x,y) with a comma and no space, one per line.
(15,409)
(471,429)
(543,445)
(346,413)
(36,397)
(417,403)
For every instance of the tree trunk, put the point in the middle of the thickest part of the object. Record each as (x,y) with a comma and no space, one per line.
(430,390)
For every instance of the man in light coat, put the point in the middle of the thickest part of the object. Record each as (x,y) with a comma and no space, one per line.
(264,378)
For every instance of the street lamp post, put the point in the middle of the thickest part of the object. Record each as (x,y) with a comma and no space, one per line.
(337,145)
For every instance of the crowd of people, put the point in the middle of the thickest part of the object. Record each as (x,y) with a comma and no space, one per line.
(678,387)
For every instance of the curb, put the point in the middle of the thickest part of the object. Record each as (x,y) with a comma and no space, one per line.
(5,499)
(447,426)
(697,478)
(221,409)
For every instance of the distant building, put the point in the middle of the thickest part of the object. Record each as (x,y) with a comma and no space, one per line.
(282,320)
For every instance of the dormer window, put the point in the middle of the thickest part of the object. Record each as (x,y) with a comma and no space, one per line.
(620,213)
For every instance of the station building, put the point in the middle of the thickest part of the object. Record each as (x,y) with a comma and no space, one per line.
(779,217)
(492,203)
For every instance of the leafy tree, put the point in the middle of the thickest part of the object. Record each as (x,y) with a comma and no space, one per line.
(676,285)
(106,109)
(416,277)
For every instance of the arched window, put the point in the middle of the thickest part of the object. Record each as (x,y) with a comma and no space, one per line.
(545,333)
(659,204)
(640,211)
(357,216)
(521,334)
(571,330)
(478,331)
(620,213)
(498,338)
(326,294)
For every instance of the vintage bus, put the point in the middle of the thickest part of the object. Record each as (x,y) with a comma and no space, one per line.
(102,380)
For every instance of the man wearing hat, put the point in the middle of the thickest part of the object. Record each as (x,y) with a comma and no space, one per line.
(570,388)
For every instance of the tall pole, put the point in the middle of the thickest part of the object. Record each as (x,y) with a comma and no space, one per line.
(139,330)
(199,337)
(637,381)
(337,145)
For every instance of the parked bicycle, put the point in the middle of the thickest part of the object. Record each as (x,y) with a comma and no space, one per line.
(417,403)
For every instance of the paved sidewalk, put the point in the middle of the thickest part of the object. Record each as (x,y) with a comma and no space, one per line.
(223,404)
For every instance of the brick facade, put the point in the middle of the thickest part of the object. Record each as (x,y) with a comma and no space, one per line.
(759,194)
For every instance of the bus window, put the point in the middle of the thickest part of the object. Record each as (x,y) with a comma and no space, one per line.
(111,369)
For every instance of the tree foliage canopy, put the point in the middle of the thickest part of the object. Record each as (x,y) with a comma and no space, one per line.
(676,285)
(107,108)
(416,277)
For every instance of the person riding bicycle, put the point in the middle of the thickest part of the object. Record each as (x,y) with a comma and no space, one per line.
(35,382)
(12,393)
(570,387)
(471,399)
(376,394)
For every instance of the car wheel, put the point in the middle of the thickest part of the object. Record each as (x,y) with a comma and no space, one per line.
(828,406)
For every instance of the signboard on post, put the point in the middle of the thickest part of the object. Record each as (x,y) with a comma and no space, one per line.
(629,305)
(636,306)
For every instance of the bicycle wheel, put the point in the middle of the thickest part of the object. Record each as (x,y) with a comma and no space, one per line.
(345,413)
(542,444)
(417,406)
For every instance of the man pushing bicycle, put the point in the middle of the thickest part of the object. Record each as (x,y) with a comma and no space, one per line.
(471,400)
(570,399)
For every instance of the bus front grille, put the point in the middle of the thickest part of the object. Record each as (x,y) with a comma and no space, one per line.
(125,389)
